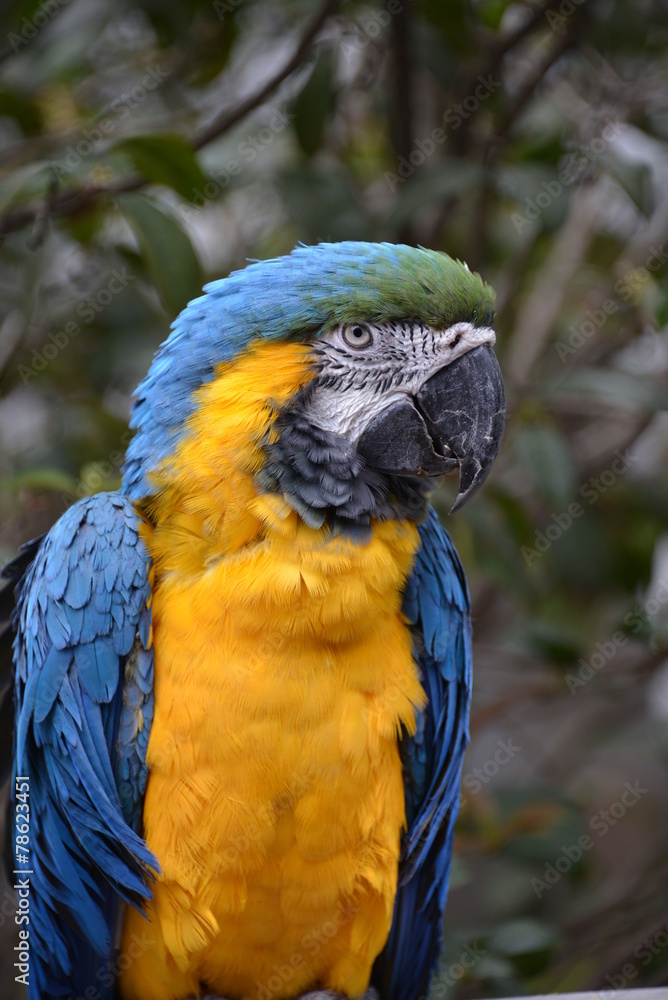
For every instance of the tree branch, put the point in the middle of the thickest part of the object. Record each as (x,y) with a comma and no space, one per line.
(226,119)
(529,85)
(73,200)
(504,45)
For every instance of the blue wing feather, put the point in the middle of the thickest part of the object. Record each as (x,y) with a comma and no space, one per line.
(436,604)
(83,699)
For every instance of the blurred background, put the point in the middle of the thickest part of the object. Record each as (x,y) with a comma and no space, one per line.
(146,147)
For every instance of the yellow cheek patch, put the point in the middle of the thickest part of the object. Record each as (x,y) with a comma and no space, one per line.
(284,673)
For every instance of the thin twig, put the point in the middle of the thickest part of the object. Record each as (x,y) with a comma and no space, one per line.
(529,85)
(70,201)
(226,119)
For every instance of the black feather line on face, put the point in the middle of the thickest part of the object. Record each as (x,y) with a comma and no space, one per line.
(398,346)
(324,479)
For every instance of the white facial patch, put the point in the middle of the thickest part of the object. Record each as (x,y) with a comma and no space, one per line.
(365,367)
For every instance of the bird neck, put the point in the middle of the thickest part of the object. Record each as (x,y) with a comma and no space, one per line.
(250,465)
(204,499)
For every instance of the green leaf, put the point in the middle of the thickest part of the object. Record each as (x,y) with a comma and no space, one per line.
(626,390)
(314,104)
(166,251)
(546,456)
(165,159)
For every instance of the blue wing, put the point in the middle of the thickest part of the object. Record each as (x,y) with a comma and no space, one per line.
(83,703)
(10,574)
(436,603)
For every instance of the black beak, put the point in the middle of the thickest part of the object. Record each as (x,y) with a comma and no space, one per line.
(455,421)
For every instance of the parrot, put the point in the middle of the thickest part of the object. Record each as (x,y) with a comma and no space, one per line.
(240,685)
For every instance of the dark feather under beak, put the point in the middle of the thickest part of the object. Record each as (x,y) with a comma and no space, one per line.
(455,420)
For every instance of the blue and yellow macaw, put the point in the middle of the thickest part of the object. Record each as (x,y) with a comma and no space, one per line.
(242,682)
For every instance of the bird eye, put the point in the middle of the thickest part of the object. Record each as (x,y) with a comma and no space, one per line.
(357,336)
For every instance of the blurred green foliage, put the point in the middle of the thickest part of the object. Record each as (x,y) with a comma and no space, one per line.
(146,147)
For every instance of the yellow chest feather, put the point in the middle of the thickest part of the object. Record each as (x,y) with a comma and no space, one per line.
(275,803)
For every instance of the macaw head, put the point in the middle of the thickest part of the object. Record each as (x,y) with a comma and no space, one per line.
(400,384)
